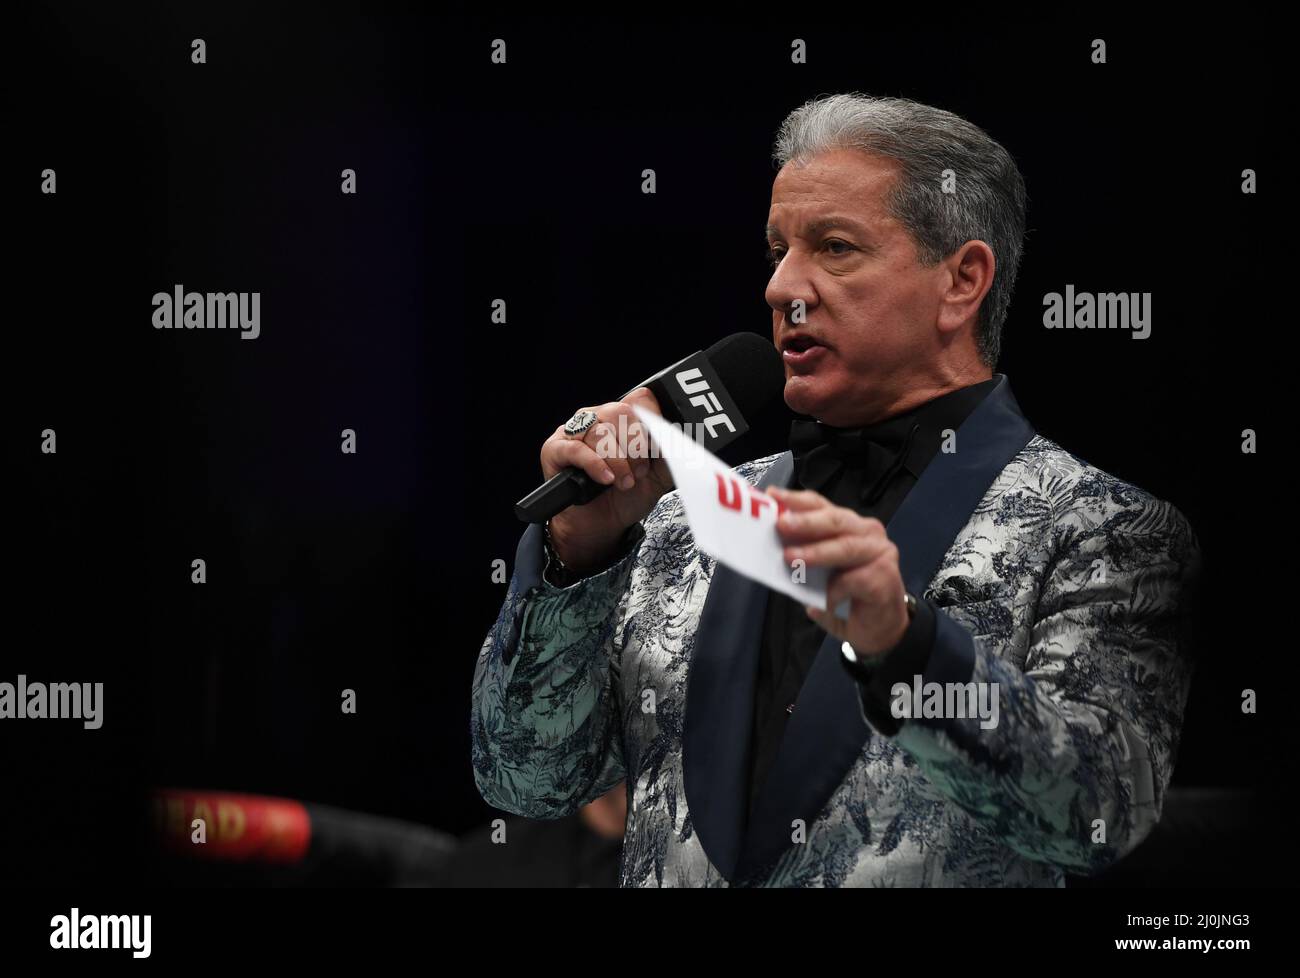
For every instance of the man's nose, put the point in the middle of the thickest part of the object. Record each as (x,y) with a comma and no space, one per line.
(790,282)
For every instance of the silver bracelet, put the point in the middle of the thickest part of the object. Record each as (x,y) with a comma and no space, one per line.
(563,576)
(550,546)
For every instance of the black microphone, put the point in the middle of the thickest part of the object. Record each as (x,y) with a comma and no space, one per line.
(713,391)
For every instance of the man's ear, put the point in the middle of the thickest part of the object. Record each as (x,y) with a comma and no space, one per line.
(970,276)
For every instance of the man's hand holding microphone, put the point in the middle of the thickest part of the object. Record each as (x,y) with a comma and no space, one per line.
(586,537)
(602,472)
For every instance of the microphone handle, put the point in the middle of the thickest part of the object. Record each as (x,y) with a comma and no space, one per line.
(568,487)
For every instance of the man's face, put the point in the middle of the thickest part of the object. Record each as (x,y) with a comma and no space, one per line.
(868,302)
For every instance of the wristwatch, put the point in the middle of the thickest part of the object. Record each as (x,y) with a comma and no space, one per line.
(847,650)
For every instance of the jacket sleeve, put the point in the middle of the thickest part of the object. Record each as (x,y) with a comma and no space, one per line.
(1074,769)
(545,722)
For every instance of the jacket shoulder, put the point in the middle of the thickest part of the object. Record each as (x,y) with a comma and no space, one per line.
(1086,500)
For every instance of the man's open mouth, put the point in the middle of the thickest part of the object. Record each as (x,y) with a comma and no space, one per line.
(798,344)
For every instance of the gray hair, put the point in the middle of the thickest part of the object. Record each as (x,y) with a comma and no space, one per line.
(989,204)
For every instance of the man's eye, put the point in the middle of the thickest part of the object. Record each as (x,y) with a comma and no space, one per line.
(775,255)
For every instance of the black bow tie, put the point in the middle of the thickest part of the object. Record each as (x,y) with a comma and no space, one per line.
(868,459)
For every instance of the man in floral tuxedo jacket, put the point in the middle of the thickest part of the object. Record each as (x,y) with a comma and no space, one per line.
(765,746)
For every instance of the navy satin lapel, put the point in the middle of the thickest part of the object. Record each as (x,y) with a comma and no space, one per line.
(826,732)
(823,739)
(720,703)
(952,485)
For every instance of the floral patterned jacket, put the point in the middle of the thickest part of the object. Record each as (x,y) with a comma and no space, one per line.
(1065,586)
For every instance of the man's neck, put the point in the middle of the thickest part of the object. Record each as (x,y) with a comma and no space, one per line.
(916,396)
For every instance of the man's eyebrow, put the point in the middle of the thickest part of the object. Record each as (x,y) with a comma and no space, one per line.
(818,226)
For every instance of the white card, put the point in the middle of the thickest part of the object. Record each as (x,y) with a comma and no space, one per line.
(733,522)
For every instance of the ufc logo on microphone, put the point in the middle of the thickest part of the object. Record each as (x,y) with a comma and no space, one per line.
(692,382)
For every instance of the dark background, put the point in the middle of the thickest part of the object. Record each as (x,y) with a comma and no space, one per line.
(522,181)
